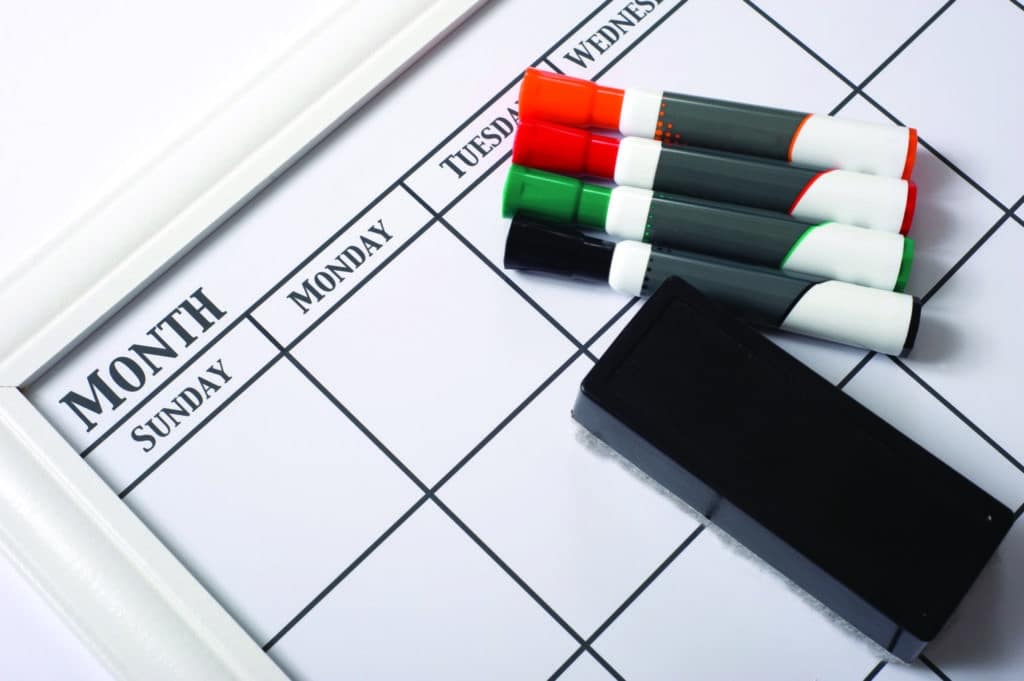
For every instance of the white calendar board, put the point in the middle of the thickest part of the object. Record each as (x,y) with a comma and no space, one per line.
(352,425)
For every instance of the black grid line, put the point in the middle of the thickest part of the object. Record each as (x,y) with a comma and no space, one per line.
(1017,4)
(551,50)
(611,322)
(431,494)
(940,156)
(629,601)
(934,668)
(971,251)
(547,62)
(629,48)
(533,594)
(856,369)
(874,672)
(906,43)
(856,89)
(959,414)
(498,271)
(273,360)
(428,493)
(328,312)
(308,608)
(235,322)
(461,463)
(152,468)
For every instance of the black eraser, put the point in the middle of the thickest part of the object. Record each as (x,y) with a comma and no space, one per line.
(833,497)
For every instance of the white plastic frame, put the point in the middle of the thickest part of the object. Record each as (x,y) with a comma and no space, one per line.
(124,593)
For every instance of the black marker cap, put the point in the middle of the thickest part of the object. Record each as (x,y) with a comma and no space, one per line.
(537,246)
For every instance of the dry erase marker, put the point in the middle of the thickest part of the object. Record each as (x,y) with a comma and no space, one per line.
(883,321)
(882,203)
(808,139)
(829,249)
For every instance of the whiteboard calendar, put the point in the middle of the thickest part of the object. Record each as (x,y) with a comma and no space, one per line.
(352,424)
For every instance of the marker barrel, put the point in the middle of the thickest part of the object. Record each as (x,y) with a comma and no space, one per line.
(882,203)
(813,140)
(882,321)
(829,250)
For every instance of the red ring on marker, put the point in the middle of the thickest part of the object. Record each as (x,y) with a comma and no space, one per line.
(807,187)
(908,213)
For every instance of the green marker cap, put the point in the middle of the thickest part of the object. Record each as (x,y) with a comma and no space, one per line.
(555,197)
(908,258)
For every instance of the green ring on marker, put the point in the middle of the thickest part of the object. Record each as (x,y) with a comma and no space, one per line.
(905,263)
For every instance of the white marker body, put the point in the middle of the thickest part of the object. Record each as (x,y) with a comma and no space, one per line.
(629,267)
(639,114)
(637,162)
(851,254)
(827,142)
(628,208)
(855,315)
(857,199)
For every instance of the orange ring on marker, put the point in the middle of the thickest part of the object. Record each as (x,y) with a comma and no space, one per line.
(908,167)
(796,133)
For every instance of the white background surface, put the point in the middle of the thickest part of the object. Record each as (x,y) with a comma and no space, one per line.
(75,61)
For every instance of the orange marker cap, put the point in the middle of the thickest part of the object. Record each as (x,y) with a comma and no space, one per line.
(550,97)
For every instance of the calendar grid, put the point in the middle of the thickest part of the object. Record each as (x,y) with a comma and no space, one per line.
(439,218)
(429,493)
(491,266)
(959,414)
(629,600)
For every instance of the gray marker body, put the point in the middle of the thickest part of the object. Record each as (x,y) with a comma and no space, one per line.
(720,176)
(759,237)
(759,295)
(729,126)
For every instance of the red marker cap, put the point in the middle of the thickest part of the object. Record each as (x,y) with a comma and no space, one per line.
(561,149)
(547,96)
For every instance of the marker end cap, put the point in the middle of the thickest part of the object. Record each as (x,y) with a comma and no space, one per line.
(553,196)
(535,246)
(562,149)
(512,192)
(545,96)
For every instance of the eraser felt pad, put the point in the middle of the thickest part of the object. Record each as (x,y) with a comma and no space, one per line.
(854,512)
